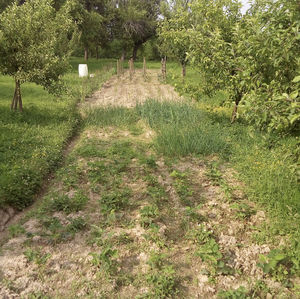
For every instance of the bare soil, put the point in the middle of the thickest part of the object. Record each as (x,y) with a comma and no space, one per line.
(121,91)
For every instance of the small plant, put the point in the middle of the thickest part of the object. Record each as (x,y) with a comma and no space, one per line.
(76,225)
(154,236)
(96,236)
(181,185)
(207,247)
(278,264)
(242,210)
(16,230)
(240,293)
(148,214)
(105,260)
(162,278)
(115,200)
(36,256)
(67,204)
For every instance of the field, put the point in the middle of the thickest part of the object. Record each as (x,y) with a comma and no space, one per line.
(157,198)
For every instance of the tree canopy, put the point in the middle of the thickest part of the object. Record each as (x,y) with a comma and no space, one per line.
(35,44)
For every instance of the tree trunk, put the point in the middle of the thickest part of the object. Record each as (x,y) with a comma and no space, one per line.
(17,99)
(86,54)
(135,49)
(235,109)
(183,65)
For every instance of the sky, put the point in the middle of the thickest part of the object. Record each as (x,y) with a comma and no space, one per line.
(246,5)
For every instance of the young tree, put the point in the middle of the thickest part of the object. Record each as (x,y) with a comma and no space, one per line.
(173,36)
(138,19)
(35,44)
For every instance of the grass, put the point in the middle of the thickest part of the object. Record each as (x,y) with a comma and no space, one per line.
(268,164)
(32,142)
(183,129)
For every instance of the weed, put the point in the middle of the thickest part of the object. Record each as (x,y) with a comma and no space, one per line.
(148,215)
(36,256)
(16,230)
(105,260)
(65,203)
(240,293)
(115,200)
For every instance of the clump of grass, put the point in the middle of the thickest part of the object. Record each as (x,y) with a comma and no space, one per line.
(183,129)
(110,116)
(115,200)
(65,203)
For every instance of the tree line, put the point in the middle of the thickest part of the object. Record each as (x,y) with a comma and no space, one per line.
(255,56)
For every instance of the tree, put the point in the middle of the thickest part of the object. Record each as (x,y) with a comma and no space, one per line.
(269,42)
(138,20)
(35,43)
(173,35)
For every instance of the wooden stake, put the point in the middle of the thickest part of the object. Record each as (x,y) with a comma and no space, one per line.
(144,68)
(118,68)
(164,68)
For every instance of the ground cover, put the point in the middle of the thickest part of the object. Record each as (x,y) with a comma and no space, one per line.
(132,216)
(32,142)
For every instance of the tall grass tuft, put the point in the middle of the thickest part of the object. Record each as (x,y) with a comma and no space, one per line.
(183,129)
(110,116)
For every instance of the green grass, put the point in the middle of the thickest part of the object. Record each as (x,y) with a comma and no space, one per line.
(183,129)
(268,164)
(32,142)
(111,116)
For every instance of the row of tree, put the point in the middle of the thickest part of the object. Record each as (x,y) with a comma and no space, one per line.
(255,57)
(131,22)
(38,36)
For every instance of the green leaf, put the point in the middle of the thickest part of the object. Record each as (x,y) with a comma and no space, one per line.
(296,79)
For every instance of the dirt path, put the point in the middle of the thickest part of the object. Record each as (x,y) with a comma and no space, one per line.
(125,92)
(122,221)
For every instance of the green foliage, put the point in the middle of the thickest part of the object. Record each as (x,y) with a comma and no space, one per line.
(32,142)
(254,56)
(173,38)
(105,260)
(240,293)
(16,230)
(183,129)
(36,256)
(36,42)
(66,203)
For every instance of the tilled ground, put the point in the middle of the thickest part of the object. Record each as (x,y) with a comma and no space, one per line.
(121,91)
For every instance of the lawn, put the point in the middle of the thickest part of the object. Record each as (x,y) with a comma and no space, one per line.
(32,142)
